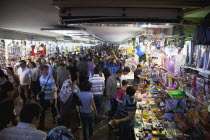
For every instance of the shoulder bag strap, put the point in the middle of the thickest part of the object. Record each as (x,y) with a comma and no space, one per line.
(46,84)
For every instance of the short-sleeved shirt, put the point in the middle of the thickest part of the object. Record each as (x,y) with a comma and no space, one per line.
(49,87)
(128,105)
(114,67)
(119,94)
(25,75)
(85,98)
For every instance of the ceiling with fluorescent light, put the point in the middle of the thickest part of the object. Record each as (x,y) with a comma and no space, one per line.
(32,15)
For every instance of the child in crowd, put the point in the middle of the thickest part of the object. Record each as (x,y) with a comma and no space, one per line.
(121,92)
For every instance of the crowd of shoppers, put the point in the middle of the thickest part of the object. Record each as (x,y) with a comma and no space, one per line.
(73,87)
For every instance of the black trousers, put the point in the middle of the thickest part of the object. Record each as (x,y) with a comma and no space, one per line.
(45,105)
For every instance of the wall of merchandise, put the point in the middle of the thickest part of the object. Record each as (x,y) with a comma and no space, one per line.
(183,73)
(12,51)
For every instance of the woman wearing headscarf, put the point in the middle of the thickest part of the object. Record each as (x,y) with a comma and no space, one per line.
(68,106)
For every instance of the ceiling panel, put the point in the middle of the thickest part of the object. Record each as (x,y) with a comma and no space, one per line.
(28,15)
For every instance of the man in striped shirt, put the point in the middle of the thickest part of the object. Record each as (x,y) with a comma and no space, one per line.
(126,120)
(50,97)
(97,89)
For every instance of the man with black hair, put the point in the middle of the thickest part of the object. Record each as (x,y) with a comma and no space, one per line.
(24,75)
(83,65)
(126,119)
(126,70)
(138,75)
(97,89)
(113,83)
(26,128)
(73,71)
(49,99)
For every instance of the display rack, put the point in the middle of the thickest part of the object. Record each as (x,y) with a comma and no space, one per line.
(200,70)
(2,54)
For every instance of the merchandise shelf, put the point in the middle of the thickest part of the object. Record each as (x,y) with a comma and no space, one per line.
(200,70)
(194,98)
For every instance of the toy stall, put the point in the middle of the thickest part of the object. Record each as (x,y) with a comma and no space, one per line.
(175,103)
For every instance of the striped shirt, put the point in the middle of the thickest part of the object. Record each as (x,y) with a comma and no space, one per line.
(97,84)
(128,105)
(49,87)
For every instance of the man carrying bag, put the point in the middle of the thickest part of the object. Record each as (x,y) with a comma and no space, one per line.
(48,95)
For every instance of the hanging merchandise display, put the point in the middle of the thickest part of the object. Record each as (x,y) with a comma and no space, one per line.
(13,51)
(25,49)
(51,49)
(2,54)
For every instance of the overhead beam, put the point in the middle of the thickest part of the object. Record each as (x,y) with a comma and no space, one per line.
(204,11)
(118,19)
(128,4)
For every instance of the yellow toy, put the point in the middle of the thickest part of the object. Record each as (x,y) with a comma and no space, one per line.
(158,133)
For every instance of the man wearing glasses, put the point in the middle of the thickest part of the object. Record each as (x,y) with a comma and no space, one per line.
(24,74)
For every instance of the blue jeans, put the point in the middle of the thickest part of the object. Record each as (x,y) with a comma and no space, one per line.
(87,124)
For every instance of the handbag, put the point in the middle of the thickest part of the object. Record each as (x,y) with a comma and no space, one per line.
(41,94)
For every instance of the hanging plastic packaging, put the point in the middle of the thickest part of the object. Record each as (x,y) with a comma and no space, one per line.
(202,55)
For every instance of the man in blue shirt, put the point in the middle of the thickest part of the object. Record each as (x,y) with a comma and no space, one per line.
(127,111)
(115,64)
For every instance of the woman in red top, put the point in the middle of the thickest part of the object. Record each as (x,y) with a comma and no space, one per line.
(121,92)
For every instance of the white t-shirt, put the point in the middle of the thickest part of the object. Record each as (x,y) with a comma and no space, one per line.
(123,77)
(25,75)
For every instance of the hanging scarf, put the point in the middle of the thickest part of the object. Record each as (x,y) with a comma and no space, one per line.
(66,91)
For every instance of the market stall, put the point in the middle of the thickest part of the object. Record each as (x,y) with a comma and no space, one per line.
(176,103)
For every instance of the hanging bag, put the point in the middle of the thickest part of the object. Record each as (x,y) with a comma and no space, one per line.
(202,35)
(41,94)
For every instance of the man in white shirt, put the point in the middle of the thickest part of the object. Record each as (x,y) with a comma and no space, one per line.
(26,128)
(24,74)
(126,70)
